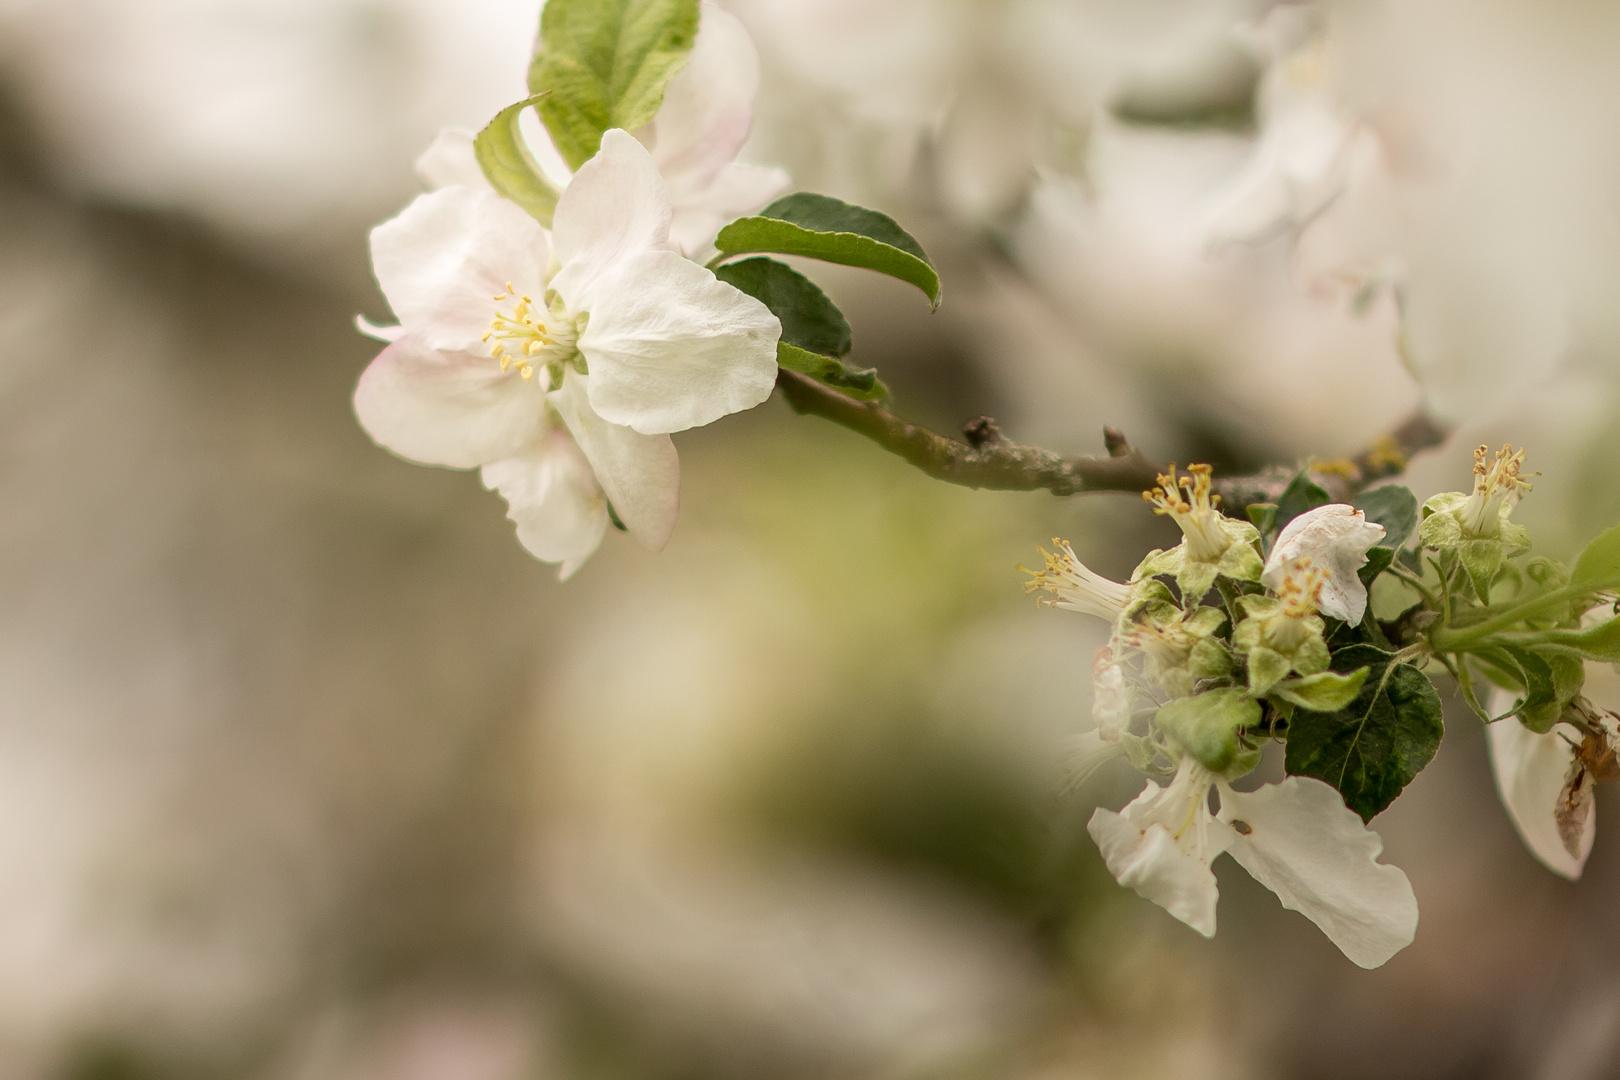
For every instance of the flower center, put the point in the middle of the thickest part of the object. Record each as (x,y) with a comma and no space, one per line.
(1301,591)
(526,335)
(1188,501)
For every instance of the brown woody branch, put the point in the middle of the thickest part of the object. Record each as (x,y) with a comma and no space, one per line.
(988,459)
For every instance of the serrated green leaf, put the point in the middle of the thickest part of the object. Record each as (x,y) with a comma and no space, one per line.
(1206,725)
(1395,508)
(607,63)
(821,227)
(1598,566)
(1302,494)
(1373,747)
(1326,691)
(809,318)
(861,383)
(510,168)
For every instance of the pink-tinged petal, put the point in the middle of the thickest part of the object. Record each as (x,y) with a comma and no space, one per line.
(672,347)
(552,494)
(446,408)
(641,474)
(737,191)
(442,262)
(708,106)
(449,160)
(1299,840)
(1531,770)
(615,208)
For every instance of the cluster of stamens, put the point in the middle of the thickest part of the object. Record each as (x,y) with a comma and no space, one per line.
(1188,500)
(1074,584)
(1498,487)
(516,339)
(1503,475)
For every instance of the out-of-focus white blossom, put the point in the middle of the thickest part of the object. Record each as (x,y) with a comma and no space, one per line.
(695,138)
(1299,162)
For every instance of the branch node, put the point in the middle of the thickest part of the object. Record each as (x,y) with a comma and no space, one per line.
(983,432)
(1116,442)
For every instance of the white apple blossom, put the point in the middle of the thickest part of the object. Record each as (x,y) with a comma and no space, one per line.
(694,139)
(1334,540)
(1545,781)
(1297,838)
(1301,160)
(508,338)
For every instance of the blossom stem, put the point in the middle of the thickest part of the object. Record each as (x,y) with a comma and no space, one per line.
(994,462)
(1416,582)
(1445,639)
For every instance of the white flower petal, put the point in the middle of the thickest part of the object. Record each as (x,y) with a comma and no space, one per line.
(444,259)
(1110,695)
(449,160)
(1335,538)
(446,408)
(1306,846)
(708,106)
(1170,868)
(670,346)
(552,495)
(385,334)
(615,208)
(640,473)
(737,191)
(1530,772)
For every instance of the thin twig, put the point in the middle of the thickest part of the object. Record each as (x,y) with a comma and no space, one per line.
(995,463)
(988,459)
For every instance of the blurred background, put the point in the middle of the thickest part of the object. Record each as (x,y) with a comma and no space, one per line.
(309,772)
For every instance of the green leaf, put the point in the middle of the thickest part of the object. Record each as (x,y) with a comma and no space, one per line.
(1482,559)
(1599,565)
(607,63)
(1378,560)
(821,227)
(1538,676)
(1395,508)
(1373,747)
(1326,691)
(1206,726)
(1302,494)
(509,167)
(809,318)
(860,383)
(1263,515)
